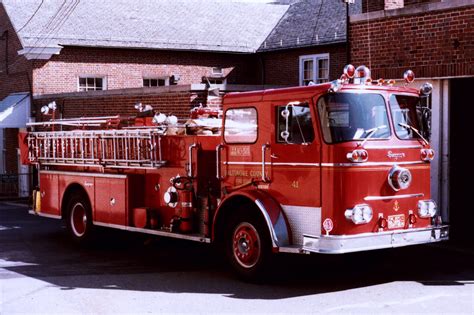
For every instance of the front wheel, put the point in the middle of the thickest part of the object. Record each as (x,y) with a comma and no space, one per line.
(79,218)
(248,248)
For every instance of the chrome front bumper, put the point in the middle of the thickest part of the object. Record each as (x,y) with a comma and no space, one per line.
(339,244)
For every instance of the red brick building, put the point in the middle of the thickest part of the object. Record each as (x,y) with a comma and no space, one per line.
(101,57)
(434,38)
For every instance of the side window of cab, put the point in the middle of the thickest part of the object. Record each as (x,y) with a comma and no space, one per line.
(241,125)
(294,124)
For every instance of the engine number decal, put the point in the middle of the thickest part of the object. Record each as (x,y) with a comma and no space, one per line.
(240,151)
(396,221)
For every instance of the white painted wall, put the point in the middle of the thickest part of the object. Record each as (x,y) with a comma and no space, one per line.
(439,142)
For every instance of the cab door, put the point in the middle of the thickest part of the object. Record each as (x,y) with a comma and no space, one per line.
(295,154)
(246,132)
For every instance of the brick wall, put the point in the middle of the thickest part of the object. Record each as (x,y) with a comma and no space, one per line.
(177,103)
(282,67)
(126,68)
(433,44)
(377,5)
(17,76)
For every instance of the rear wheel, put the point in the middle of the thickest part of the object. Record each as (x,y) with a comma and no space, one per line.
(79,218)
(248,247)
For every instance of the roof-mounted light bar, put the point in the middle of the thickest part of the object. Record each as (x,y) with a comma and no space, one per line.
(362,75)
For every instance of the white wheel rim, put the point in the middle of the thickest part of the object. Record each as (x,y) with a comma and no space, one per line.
(78,219)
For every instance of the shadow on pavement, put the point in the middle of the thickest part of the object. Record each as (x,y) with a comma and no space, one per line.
(40,248)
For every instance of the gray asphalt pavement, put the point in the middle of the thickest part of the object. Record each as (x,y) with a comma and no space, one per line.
(42,271)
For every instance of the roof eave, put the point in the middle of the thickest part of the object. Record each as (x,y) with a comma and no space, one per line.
(215,50)
(262,50)
(39,53)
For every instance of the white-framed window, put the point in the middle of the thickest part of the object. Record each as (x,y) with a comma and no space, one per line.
(89,83)
(314,68)
(217,71)
(155,82)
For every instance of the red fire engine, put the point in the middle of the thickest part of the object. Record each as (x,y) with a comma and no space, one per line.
(327,168)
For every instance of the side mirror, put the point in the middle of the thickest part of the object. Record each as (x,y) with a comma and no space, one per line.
(286,133)
(286,114)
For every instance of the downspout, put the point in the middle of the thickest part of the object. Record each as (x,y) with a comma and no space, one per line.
(348,42)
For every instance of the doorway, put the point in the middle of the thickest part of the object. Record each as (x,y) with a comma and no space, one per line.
(461,166)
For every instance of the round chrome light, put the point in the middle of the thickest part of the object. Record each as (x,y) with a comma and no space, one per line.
(359,214)
(399,178)
(426,89)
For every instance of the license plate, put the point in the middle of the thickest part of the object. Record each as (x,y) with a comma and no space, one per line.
(396,221)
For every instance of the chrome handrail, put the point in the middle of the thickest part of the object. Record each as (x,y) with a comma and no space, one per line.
(190,151)
(264,149)
(219,147)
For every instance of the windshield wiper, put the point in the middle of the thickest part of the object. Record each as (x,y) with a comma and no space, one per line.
(406,126)
(371,133)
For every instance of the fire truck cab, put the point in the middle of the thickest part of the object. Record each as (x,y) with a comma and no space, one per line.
(329,168)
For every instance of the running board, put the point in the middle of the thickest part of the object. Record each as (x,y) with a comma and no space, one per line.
(45,215)
(191,237)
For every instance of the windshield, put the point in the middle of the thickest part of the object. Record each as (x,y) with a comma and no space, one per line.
(404,114)
(351,116)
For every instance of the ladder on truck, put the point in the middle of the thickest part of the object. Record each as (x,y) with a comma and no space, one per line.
(121,148)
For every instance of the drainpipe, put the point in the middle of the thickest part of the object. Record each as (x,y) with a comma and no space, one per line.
(348,43)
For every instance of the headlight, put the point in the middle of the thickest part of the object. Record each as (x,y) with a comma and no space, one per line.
(399,178)
(359,214)
(426,208)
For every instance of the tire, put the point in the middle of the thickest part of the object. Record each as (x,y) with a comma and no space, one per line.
(79,218)
(248,247)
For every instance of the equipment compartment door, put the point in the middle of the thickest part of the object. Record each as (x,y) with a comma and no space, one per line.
(111,200)
(49,190)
